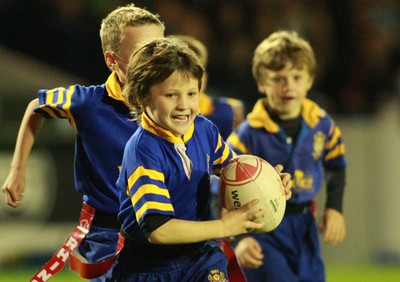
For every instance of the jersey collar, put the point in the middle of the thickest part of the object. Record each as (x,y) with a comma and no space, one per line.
(259,116)
(154,128)
(114,89)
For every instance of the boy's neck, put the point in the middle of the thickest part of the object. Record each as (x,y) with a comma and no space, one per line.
(276,117)
(290,126)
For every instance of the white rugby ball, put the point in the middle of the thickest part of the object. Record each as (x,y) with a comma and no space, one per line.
(247,177)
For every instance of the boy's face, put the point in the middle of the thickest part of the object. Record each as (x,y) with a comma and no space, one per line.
(286,89)
(173,104)
(133,37)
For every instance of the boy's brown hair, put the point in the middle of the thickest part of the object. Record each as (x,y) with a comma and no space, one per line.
(113,26)
(152,63)
(280,48)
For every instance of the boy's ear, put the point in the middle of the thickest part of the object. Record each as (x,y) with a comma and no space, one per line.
(261,88)
(109,59)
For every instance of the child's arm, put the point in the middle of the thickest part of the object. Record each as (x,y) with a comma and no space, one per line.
(14,186)
(231,223)
(332,223)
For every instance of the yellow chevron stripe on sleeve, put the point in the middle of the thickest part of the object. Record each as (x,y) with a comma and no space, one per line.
(225,155)
(219,144)
(67,106)
(153,205)
(141,171)
(149,189)
(334,139)
(340,150)
(50,98)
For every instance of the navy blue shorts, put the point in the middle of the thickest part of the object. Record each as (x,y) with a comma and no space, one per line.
(206,264)
(99,244)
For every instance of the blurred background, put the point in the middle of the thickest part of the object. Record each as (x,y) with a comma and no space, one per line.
(50,43)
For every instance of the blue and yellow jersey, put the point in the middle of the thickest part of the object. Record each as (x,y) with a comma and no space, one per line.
(168,175)
(102,124)
(221,111)
(319,145)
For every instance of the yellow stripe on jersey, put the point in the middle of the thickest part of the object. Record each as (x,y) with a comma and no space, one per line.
(153,205)
(149,189)
(334,139)
(141,171)
(219,144)
(225,155)
(50,98)
(50,106)
(239,145)
(340,150)
(312,113)
(66,107)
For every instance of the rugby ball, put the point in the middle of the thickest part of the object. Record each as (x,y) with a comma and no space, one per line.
(247,177)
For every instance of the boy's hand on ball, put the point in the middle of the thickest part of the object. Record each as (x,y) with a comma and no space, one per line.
(248,177)
(286,181)
(242,220)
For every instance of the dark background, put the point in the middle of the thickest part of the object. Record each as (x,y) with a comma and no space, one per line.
(356,42)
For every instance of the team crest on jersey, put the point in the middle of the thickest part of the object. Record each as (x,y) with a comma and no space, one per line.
(217,275)
(318,146)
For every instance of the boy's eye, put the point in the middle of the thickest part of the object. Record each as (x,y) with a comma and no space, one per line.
(170,95)
(193,93)
(278,79)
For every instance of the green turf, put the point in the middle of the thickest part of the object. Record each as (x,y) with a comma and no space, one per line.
(363,273)
(337,273)
(25,274)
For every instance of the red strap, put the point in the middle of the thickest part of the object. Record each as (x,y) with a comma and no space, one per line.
(92,270)
(314,208)
(235,273)
(57,262)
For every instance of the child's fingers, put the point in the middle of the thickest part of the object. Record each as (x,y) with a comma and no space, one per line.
(279,168)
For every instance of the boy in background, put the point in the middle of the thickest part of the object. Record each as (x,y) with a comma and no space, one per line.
(287,128)
(101,119)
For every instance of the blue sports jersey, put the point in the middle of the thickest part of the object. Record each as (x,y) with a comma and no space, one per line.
(101,120)
(319,145)
(168,175)
(220,111)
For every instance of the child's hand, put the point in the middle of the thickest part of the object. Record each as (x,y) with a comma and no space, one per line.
(333,226)
(286,181)
(249,253)
(13,188)
(241,220)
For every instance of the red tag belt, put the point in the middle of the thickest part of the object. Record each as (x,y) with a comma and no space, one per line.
(77,263)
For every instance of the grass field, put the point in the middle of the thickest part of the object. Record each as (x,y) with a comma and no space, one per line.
(337,273)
